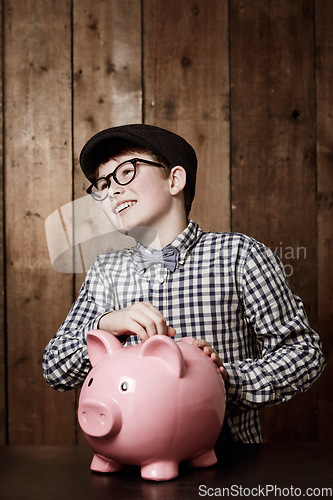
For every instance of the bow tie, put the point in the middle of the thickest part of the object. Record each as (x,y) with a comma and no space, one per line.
(169,257)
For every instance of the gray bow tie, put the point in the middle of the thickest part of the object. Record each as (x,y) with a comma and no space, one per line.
(169,257)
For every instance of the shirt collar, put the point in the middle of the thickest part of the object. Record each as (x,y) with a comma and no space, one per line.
(183,242)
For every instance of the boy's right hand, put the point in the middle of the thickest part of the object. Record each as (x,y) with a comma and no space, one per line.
(141,318)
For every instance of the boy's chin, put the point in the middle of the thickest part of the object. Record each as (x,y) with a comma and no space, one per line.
(146,235)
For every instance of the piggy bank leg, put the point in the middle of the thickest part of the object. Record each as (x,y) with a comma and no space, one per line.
(100,464)
(205,460)
(160,471)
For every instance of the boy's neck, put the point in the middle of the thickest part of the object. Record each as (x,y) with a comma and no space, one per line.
(160,237)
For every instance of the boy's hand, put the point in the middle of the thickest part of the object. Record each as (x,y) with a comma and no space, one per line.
(208,349)
(141,318)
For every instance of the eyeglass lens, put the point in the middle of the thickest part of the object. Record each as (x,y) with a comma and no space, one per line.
(123,175)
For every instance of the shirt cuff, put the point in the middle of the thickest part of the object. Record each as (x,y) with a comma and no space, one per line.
(233,383)
(121,338)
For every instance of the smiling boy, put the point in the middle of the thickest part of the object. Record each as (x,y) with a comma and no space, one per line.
(225,289)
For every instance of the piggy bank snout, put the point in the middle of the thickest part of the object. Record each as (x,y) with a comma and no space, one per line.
(99,419)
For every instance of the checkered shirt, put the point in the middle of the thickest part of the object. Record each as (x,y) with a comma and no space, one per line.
(230,290)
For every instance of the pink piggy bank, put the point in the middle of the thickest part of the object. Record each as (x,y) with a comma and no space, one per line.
(154,405)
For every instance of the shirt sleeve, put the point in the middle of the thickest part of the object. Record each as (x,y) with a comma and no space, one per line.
(65,361)
(290,356)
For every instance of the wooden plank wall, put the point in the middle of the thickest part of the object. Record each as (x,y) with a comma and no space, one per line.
(324,86)
(273,153)
(248,83)
(38,176)
(3,391)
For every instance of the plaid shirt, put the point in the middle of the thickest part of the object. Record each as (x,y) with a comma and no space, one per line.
(230,290)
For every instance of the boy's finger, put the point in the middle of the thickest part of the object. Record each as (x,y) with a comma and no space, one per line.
(156,317)
(171,331)
(223,373)
(133,327)
(200,342)
(216,358)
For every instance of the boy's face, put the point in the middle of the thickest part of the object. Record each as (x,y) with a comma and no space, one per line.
(145,202)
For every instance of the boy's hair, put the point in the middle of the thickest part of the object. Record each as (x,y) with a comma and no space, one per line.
(170,148)
(106,153)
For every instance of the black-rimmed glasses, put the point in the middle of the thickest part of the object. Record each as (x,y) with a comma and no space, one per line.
(123,174)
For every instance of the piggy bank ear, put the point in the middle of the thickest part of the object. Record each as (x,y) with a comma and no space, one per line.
(165,349)
(101,343)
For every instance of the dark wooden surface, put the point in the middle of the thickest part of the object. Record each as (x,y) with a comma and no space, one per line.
(62,472)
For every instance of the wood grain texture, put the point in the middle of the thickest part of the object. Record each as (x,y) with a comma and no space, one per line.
(106,69)
(106,75)
(38,179)
(186,90)
(3,388)
(273,157)
(324,80)
(106,83)
(247,83)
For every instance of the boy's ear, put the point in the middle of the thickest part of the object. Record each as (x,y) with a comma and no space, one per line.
(177,179)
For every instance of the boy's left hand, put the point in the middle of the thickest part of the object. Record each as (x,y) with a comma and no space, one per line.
(210,351)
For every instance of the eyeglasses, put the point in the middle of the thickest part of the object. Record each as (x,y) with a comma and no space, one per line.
(123,174)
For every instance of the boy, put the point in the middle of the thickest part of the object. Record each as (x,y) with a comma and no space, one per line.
(226,290)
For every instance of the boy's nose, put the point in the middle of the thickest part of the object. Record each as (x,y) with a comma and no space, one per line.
(115,190)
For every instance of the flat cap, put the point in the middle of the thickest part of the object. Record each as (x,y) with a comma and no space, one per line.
(173,148)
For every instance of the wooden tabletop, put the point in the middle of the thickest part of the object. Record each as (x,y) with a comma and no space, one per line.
(266,470)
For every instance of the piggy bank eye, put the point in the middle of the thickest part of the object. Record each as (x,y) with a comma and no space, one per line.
(124,386)
(90,382)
